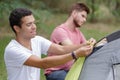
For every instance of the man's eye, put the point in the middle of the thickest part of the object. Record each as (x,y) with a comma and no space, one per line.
(84,16)
(29,24)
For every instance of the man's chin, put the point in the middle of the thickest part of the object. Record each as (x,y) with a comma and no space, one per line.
(33,36)
(76,24)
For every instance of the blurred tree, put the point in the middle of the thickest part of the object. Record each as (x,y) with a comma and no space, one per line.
(93,5)
(116,11)
(62,6)
(36,4)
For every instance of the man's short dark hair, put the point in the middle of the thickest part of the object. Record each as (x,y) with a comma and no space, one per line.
(16,15)
(80,7)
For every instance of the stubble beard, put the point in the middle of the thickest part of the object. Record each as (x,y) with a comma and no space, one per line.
(76,24)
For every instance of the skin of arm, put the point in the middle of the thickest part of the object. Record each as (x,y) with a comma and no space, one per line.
(66,42)
(48,62)
(53,61)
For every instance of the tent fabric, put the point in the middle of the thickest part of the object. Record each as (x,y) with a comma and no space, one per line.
(75,70)
(99,65)
(113,36)
(116,69)
(100,60)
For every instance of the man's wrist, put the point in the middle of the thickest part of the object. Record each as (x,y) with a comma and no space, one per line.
(73,55)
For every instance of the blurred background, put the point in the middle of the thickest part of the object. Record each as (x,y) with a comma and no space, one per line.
(103,19)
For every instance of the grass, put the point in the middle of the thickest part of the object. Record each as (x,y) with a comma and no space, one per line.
(3,42)
(98,30)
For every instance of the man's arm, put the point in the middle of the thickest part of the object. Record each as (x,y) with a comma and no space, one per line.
(56,60)
(60,50)
(66,42)
(67,47)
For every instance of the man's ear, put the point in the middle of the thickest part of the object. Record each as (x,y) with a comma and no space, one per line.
(74,13)
(16,28)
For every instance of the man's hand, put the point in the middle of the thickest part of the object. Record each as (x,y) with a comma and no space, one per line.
(86,48)
(83,51)
(91,42)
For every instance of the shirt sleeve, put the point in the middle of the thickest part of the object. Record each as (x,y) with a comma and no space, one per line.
(83,39)
(44,44)
(16,56)
(59,35)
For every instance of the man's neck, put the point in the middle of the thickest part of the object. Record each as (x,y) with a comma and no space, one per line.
(24,42)
(70,24)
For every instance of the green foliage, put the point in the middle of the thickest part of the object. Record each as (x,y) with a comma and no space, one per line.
(62,6)
(104,15)
(94,33)
(104,10)
(3,42)
(36,4)
(6,7)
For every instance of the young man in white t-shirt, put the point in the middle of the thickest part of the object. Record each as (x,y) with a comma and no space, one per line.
(23,54)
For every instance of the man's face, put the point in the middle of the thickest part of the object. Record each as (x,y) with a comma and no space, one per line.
(80,18)
(28,27)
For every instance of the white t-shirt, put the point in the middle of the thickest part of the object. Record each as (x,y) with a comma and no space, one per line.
(16,54)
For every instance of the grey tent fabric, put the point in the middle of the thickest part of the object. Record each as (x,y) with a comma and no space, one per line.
(98,66)
(113,36)
(116,69)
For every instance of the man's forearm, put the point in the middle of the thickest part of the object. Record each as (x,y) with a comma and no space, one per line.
(60,50)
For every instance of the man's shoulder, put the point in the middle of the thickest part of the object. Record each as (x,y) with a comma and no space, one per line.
(13,45)
(38,37)
(59,29)
(61,26)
